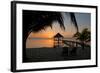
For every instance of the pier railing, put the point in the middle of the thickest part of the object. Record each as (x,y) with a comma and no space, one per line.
(73,43)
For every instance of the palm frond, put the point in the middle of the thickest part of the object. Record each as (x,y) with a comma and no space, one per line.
(73,19)
(35,21)
(60,20)
(84,36)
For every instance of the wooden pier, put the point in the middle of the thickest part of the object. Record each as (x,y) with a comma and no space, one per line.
(73,43)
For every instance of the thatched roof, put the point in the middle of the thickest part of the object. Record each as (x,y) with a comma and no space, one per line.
(58,35)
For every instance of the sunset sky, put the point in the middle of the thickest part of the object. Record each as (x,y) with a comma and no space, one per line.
(83,21)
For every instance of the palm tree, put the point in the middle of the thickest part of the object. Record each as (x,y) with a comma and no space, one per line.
(83,37)
(35,21)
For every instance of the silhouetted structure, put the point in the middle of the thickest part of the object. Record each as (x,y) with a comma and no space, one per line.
(58,40)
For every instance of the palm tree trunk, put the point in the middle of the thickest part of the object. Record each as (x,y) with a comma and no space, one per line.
(82,45)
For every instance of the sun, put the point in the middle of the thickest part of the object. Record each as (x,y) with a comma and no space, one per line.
(49,34)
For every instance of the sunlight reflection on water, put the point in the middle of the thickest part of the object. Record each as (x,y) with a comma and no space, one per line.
(37,43)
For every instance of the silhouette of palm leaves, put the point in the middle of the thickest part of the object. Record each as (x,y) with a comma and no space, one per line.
(84,36)
(35,21)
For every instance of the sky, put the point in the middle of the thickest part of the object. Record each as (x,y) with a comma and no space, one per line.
(83,21)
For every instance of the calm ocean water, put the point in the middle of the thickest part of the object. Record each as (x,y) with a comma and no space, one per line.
(41,42)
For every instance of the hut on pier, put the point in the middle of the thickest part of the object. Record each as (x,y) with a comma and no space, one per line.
(58,40)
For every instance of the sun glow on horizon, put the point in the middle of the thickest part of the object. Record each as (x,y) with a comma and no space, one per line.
(41,35)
